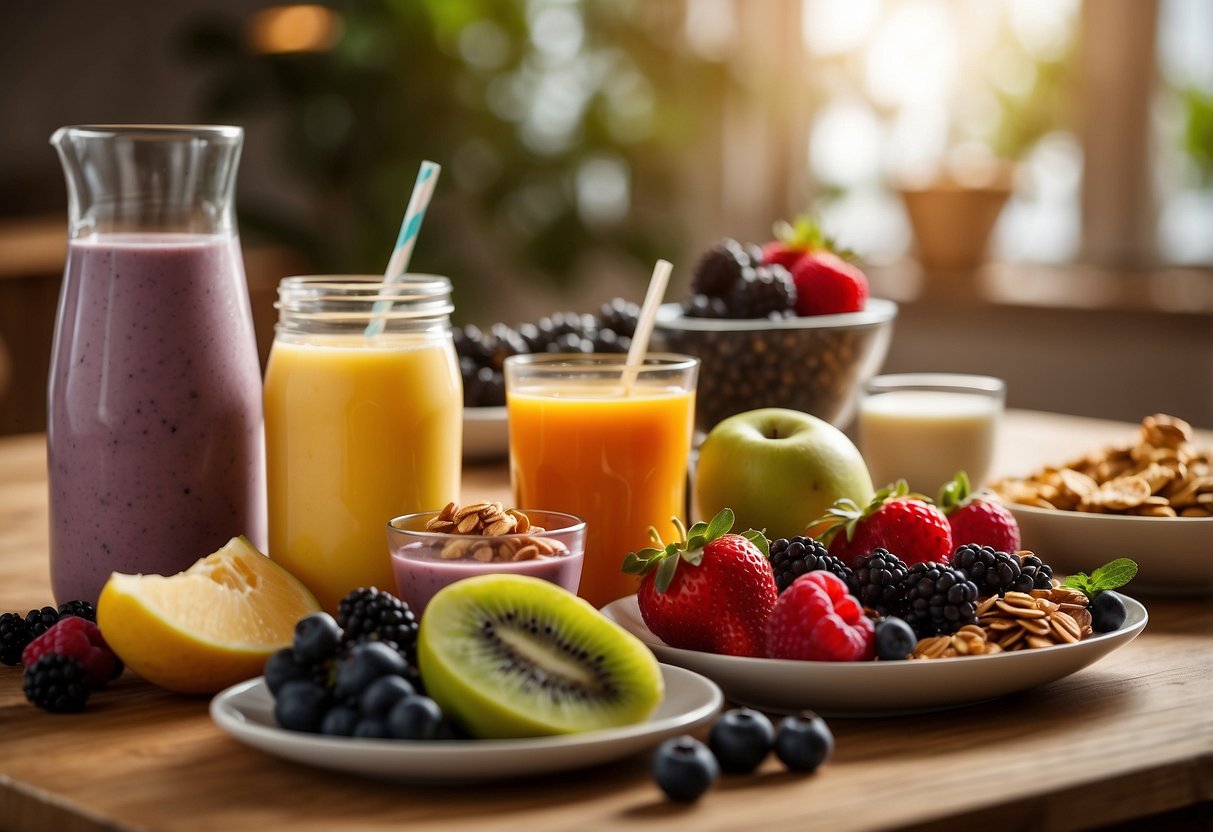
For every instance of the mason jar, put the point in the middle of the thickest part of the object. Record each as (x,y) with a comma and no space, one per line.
(363,422)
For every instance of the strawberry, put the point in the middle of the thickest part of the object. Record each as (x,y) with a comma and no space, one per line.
(828,285)
(825,282)
(709,590)
(978,518)
(908,525)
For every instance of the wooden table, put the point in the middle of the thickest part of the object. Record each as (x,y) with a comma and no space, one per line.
(1129,737)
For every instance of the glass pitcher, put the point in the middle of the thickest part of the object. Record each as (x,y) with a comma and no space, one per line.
(154,434)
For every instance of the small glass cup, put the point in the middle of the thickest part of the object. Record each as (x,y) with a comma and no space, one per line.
(607,442)
(424,562)
(924,427)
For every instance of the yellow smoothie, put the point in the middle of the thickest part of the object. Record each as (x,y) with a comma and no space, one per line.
(357,433)
(618,462)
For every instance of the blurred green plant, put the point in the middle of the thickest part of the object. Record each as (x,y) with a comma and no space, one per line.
(558,126)
(1198,132)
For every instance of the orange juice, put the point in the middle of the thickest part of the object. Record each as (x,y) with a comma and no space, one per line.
(358,431)
(619,462)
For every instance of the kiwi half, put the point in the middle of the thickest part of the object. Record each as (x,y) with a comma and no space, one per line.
(516,656)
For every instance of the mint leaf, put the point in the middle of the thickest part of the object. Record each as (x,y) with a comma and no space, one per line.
(1112,575)
(720,524)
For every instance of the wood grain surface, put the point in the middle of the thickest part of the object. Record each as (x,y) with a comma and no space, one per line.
(1127,737)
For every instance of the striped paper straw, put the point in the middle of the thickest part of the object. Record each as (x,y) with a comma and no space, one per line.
(406,240)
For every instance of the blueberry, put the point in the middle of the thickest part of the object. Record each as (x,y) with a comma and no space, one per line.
(371,728)
(741,739)
(301,705)
(895,639)
(283,667)
(383,693)
(339,721)
(803,741)
(684,768)
(317,638)
(1108,612)
(414,718)
(364,663)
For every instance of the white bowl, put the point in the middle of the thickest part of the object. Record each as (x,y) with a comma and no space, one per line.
(1173,554)
(486,434)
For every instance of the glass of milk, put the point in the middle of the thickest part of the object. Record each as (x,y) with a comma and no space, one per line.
(924,427)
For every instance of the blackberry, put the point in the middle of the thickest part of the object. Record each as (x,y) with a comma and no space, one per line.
(14,635)
(606,340)
(800,555)
(938,599)
(703,306)
(56,683)
(762,292)
(80,609)
(40,621)
(1034,573)
(619,316)
(880,582)
(370,614)
(993,572)
(719,269)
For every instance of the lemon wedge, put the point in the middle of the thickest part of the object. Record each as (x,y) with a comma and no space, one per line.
(208,627)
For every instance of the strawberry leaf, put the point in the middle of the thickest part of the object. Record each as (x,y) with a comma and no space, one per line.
(952,495)
(693,556)
(760,540)
(720,524)
(665,573)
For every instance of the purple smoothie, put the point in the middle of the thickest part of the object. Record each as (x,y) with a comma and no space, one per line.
(154,442)
(420,572)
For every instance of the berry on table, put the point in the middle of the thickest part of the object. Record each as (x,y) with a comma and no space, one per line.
(817,619)
(81,640)
(14,635)
(80,609)
(684,768)
(803,741)
(741,739)
(41,620)
(57,683)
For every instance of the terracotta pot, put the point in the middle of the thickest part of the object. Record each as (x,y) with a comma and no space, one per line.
(952,222)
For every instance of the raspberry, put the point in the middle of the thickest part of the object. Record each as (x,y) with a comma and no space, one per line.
(58,684)
(817,619)
(81,640)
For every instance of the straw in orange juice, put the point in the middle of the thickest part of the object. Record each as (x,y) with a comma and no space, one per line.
(618,461)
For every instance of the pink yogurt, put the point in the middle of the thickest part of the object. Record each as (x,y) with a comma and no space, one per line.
(421,571)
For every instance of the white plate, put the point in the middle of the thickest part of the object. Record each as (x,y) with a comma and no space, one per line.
(880,688)
(486,434)
(1173,554)
(246,712)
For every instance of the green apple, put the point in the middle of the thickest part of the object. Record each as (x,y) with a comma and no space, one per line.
(778,470)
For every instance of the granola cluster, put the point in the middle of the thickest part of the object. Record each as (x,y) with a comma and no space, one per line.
(488,532)
(1162,475)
